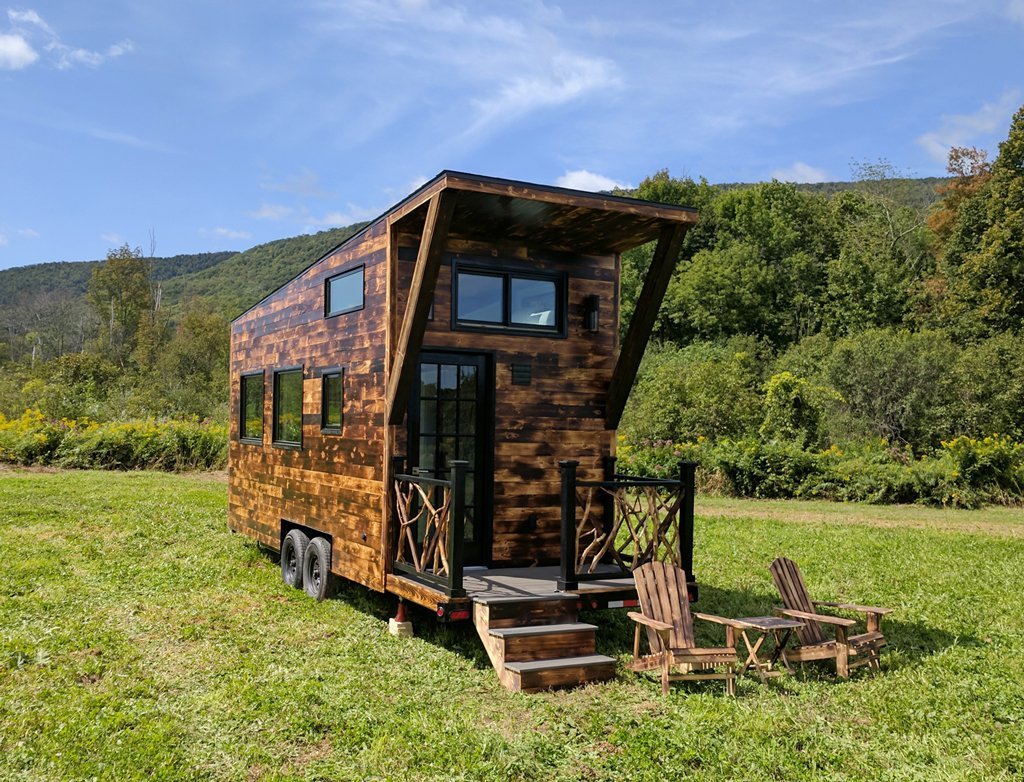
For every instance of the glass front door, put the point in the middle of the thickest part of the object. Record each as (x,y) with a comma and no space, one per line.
(449,419)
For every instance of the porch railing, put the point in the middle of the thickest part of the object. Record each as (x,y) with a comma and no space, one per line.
(428,522)
(612,526)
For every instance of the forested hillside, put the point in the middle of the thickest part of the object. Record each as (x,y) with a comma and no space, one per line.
(859,341)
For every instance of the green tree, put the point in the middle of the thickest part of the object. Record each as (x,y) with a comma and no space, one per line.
(121,294)
(985,252)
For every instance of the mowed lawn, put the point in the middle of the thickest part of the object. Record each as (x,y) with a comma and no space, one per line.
(139,639)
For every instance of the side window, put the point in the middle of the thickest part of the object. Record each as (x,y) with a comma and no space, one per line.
(288,407)
(332,401)
(344,292)
(250,419)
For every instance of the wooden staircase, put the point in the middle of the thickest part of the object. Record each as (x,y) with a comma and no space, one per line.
(536,643)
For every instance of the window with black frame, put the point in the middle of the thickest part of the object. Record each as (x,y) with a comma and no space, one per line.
(509,300)
(288,407)
(250,420)
(344,292)
(332,385)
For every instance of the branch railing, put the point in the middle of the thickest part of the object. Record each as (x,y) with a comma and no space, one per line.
(613,526)
(428,523)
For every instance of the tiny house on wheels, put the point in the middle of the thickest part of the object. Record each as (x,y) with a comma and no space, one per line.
(430,410)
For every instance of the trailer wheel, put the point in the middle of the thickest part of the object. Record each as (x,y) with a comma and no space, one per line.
(316,568)
(293,550)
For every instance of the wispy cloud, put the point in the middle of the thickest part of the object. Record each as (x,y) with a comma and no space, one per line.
(272,212)
(306,184)
(3,239)
(225,233)
(800,172)
(340,217)
(126,139)
(963,129)
(28,233)
(582,179)
(29,31)
(113,238)
(1015,10)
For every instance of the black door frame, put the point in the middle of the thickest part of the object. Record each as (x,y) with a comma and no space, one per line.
(485,437)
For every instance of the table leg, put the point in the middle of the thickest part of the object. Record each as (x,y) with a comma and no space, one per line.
(752,659)
(780,650)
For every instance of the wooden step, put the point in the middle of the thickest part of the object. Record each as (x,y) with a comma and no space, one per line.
(540,675)
(530,610)
(544,642)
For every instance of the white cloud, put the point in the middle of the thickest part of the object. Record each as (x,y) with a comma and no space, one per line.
(15,52)
(3,239)
(28,233)
(581,179)
(228,233)
(272,212)
(305,184)
(16,47)
(112,238)
(800,172)
(1015,10)
(351,214)
(957,130)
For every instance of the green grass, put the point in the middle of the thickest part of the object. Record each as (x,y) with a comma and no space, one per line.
(139,639)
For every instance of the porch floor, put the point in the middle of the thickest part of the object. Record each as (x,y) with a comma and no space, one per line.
(485,584)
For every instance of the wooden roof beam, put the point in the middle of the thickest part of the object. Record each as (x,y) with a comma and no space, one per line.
(421,295)
(666,255)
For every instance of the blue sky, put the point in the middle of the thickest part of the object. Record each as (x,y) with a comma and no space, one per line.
(220,125)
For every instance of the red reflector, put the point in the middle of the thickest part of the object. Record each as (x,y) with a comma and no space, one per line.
(463,614)
(440,610)
(630,603)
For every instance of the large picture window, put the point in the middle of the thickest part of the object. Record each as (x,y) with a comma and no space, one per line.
(511,300)
(344,292)
(250,419)
(333,401)
(288,407)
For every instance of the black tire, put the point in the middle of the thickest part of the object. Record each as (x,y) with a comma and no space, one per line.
(293,553)
(316,568)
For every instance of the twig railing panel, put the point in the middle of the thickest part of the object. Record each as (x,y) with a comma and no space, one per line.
(613,526)
(428,524)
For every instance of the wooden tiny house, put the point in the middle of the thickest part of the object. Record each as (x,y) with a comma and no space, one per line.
(436,401)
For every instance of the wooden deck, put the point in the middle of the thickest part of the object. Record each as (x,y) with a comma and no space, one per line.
(485,584)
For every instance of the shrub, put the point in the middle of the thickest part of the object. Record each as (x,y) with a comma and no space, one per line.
(126,445)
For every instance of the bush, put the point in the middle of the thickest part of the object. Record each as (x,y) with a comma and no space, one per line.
(32,439)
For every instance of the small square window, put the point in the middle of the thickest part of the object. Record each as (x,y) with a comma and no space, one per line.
(533,302)
(250,421)
(481,298)
(332,402)
(344,292)
(288,407)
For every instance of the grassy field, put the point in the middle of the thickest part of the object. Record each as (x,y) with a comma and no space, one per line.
(139,639)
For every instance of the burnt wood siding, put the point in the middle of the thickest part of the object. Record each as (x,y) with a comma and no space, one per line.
(334,483)
(559,415)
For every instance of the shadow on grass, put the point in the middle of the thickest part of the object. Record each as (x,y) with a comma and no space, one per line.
(909,642)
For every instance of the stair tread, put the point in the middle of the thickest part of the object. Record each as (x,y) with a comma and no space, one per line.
(561,662)
(529,630)
(503,599)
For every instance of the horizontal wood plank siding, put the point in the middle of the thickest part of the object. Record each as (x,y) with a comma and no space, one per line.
(559,415)
(334,482)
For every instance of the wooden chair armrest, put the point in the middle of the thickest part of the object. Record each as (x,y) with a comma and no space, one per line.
(853,607)
(654,624)
(721,620)
(838,621)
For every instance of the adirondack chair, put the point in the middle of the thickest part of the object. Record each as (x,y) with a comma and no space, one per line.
(665,613)
(813,644)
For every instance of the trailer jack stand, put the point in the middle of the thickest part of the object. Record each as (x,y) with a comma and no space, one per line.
(399,625)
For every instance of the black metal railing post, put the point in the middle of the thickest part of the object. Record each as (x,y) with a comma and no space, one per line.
(688,487)
(567,578)
(608,497)
(457,528)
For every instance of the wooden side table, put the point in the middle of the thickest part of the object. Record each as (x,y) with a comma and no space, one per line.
(778,628)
